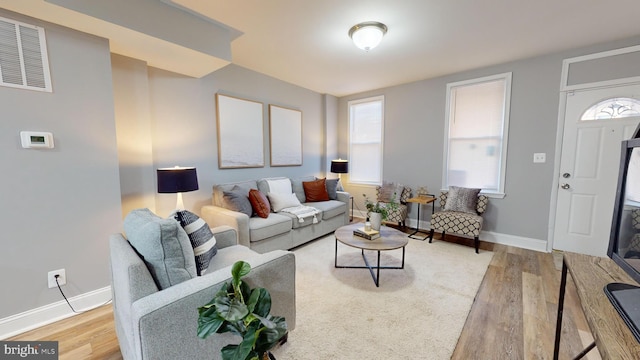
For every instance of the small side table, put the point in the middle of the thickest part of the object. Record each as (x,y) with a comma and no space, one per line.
(422,200)
(351,215)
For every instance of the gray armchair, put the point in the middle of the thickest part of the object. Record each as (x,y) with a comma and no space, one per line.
(162,324)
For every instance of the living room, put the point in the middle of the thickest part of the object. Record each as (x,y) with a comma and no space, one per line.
(116,119)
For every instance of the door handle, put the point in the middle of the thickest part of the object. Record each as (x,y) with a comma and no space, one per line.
(565,186)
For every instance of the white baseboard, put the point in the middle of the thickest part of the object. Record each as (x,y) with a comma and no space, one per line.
(514,240)
(35,318)
(498,238)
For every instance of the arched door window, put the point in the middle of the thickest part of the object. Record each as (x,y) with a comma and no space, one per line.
(612,109)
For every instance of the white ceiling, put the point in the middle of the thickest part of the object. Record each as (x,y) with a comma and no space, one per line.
(305,42)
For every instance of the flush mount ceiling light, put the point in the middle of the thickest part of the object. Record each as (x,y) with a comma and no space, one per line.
(367,35)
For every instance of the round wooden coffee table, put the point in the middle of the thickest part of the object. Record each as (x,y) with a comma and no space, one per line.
(390,239)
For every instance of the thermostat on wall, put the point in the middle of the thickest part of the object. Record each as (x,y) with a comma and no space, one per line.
(36,140)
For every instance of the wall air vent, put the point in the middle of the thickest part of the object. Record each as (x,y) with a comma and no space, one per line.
(23,56)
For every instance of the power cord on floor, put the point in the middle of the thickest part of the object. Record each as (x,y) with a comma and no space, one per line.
(68,303)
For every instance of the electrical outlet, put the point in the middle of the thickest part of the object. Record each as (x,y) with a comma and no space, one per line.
(51,277)
(539,157)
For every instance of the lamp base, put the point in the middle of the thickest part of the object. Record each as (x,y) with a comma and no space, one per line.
(179,202)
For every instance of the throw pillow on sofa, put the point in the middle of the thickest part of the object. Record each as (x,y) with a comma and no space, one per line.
(298,189)
(280,186)
(260,203)
(237,199)
(201,237)
(163,245)
(282,201)
(332,188)
(316,190)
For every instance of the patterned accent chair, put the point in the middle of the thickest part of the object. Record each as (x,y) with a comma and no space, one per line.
(400,215)
(456,222)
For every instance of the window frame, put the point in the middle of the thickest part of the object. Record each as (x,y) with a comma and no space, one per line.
(506,77)
(350,103)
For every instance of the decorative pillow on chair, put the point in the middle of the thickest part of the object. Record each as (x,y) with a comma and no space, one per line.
(315,190)
(462,199)
(163,245)
(201,237)
(281,201)
(386,191)
(260,203)
(237,199)
(389,191)
(398,193)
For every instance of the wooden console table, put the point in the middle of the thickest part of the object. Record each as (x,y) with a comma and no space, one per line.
(612,337)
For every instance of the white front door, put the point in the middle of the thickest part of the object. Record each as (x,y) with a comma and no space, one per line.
(589,165)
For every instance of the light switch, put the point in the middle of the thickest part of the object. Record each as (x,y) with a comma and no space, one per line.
(539,157)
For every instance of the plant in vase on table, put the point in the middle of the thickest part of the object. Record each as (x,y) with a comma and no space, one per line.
(243,311)
(377,212)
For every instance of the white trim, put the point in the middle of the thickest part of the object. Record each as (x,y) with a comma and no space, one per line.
(566,90)
(566,63)
(555,183)
(506,115)
(514,240)
(35,318)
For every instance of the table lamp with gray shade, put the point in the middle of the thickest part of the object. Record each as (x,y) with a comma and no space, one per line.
(177,180)
(340,167)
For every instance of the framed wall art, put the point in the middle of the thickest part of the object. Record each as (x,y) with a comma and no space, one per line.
(240,132)
(285,134)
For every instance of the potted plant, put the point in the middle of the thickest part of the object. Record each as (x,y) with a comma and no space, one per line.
(378,212)
(245,312)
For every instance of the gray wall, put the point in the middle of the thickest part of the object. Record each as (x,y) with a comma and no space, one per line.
(331,128)
(414,138)
(59,205)
(183,128)
(133,130)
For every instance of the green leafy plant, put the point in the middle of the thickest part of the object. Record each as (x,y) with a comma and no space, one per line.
(245,312)
(376,207)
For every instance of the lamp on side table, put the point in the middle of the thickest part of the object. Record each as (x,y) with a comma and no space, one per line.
(177,180)
(341,167)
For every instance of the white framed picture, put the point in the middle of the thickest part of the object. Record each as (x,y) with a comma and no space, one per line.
(240,132)
(285,134)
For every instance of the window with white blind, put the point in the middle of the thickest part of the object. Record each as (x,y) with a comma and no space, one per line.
(366,124)
(476,133)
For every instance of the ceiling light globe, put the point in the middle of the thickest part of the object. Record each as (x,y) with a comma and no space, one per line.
(367,36)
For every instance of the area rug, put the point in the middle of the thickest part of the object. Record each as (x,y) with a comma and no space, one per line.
(417,312)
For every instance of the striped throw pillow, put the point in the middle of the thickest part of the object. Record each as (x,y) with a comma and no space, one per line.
(202,239)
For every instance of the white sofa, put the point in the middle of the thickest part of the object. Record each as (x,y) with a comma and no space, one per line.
(279,231)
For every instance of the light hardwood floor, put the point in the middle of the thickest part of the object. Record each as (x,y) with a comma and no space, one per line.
(513,315)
